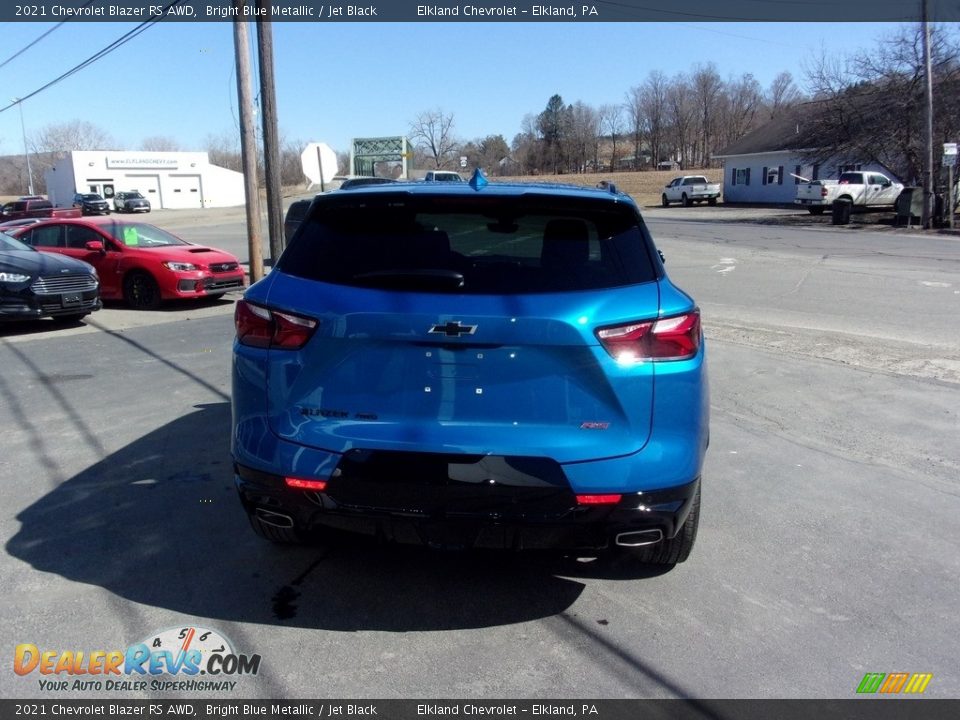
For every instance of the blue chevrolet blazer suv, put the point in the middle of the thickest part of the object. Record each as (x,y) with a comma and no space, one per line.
(472,365)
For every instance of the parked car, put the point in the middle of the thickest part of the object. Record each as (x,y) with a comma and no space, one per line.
(34,285)
(443,176)
(862,189)
(130,202)
(472,365)
(33,207)
(139,263)
(91,204)
(690,189)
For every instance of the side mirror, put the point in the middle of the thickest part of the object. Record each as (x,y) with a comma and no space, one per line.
(96,246)
(660,253)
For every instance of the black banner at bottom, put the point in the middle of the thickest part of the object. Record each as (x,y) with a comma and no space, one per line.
(853,709)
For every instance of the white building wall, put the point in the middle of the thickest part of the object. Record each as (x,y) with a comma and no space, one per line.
(780,191)
(167,179)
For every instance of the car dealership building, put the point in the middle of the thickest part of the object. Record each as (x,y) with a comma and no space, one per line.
(166,179)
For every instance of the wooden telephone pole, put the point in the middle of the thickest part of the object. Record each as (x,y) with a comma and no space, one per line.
(248,143)
(268,117)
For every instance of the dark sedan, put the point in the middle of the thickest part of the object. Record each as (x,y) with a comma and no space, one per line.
(35,285)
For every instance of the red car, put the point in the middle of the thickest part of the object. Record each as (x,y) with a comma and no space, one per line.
(137,262)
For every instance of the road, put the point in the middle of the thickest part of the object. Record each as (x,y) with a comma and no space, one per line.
(829,545)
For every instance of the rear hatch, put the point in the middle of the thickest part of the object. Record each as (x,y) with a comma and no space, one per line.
(464,326)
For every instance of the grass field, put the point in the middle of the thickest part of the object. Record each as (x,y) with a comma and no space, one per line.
(644,187)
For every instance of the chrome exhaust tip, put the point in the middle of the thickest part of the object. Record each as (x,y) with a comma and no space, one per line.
(275,519)
(639,538)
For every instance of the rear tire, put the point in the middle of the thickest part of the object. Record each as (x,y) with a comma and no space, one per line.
(141,292)
(686,200)
(676,550)
(712,201)
(274,534)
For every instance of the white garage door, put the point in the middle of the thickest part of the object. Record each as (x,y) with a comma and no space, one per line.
(148,185)
(182,191)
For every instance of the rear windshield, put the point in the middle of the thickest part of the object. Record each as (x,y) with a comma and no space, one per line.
(491,245)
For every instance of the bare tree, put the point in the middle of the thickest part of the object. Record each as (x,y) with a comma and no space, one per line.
(707,88)
(653,102)
(782,94)
(224,150)
(611,126)
(584,128)
(527,146)
(160,143)
(636,119)
(681,112)
(432,133)
(870,106)
(52,141)
(738,110)
(72,135)
(291,168)
(343,163)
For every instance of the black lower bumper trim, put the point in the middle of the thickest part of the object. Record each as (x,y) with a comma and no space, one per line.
(513,518)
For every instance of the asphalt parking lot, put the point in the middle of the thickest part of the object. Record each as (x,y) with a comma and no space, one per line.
(829,546)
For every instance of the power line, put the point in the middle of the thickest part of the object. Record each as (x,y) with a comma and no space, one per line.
(21,52)
(122,40)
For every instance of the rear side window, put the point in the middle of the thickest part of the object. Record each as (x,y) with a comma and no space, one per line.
(46,236)
(491,245)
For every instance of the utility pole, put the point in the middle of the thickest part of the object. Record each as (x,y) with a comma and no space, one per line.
(928,125)
(26,150)
(248,141)
(268,117)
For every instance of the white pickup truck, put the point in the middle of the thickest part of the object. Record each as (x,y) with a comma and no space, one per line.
(689,189)
(863,189)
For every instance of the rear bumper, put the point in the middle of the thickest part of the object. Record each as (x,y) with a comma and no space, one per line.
(474,514)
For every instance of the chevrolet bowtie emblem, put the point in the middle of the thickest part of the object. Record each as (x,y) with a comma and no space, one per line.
(453,329)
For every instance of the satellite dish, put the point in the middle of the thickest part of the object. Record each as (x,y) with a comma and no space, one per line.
(319,163)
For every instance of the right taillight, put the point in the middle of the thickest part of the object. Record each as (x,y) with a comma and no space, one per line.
(258,326)
(670,338)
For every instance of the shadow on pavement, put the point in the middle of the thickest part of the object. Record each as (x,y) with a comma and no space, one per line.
(158,522)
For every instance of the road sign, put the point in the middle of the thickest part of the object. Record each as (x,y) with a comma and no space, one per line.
(949,148)
(319,162)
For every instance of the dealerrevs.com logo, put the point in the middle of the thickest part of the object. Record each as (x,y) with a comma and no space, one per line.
(176,659)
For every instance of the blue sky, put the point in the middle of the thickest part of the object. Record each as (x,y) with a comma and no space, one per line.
(339,81)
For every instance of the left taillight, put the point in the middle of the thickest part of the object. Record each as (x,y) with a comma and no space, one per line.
(258,326)
(670,338)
